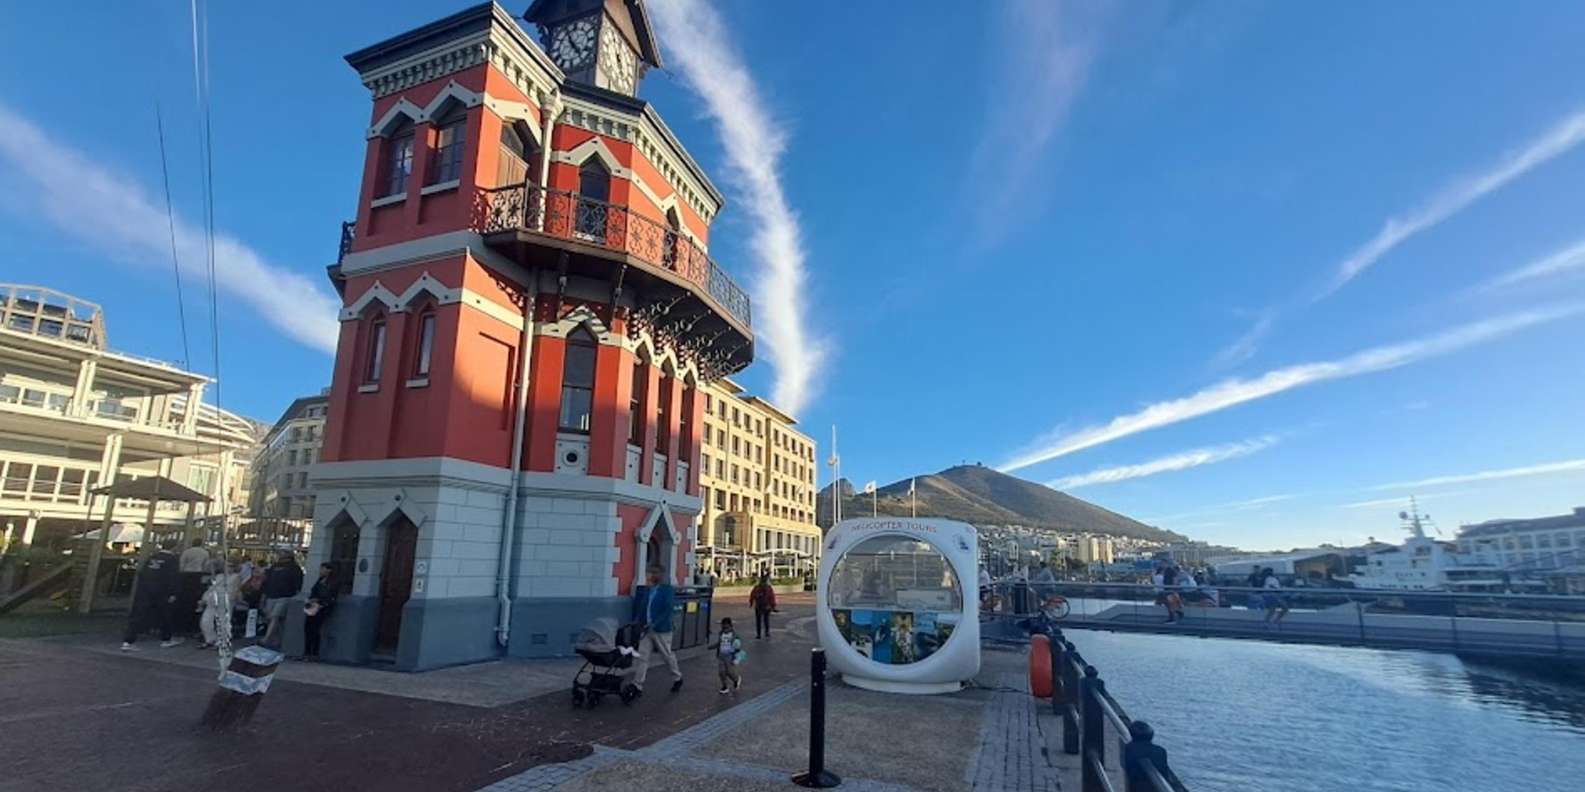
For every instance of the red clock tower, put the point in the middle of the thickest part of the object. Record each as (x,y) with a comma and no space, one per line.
(530,311)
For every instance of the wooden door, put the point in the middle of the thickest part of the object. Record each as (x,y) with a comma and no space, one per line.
(396,584)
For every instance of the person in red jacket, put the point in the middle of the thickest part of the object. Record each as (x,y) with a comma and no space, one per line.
(763,598)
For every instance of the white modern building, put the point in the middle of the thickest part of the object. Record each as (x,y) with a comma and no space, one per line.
(75,414)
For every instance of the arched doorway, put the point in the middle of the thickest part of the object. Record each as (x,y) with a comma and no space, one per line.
(396,583)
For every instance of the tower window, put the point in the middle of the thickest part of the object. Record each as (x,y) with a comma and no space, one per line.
(448,148)
(376,364)
(594,195)
(398,162)
(426,344)
(577,381)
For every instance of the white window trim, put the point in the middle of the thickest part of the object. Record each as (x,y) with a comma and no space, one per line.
(369,387)
(418,382)
(394,198)
(441,187)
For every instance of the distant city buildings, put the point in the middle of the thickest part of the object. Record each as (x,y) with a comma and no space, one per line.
(75,415)
(289,450)
(757,483)
(1551,549)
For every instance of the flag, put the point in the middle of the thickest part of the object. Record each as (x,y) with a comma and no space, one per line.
(869,489)
(911,486)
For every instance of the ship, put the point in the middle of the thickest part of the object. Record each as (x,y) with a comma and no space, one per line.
(1425,564)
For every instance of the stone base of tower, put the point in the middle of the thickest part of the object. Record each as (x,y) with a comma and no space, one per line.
(422,539)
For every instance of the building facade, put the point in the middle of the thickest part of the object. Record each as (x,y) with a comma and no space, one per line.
(280,470)
(1093,549)
(530,319)
(757,484)
(75,415)
(1546,549)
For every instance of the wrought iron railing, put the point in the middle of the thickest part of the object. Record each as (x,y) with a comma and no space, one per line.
(568,215)
(349,233)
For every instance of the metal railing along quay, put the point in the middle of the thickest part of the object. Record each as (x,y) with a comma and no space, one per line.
(1495,624)
(1087,711)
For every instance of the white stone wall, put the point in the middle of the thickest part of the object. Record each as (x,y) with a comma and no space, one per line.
(567,547)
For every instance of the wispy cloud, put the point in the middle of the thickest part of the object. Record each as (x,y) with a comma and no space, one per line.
(1560,138)
(1549,468)
(1568,259)
(1250,504)
(1234,392)
(1167,464)
(66,186)
(1396,500)
(699,46)
(1243,348)
(1046,48)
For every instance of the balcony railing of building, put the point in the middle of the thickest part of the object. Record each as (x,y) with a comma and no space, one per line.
(349,234)
(568,215)
(51,314)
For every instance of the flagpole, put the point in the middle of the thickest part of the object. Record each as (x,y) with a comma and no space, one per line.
(875,502)
(913,498)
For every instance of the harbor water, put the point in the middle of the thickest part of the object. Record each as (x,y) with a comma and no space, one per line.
(1241,715)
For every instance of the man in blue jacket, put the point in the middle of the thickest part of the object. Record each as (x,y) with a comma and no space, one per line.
(653,608)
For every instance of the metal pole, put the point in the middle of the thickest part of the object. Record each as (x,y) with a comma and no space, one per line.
(1093,733)
(816,777)
(1071,688)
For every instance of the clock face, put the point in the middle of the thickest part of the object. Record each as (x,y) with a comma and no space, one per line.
(571,45)
(617,61)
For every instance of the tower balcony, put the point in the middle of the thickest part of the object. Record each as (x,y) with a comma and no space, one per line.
(678,288)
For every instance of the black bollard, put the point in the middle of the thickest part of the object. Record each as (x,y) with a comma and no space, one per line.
(816,776)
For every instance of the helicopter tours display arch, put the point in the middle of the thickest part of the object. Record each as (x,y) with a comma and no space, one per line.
(897,610)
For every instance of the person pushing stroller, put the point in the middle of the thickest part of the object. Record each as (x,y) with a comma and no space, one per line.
(653,610)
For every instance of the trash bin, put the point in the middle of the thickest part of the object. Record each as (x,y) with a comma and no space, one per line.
(691,616)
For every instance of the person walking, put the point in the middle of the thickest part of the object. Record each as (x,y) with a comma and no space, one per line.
(763,598)
(218,601)
(154,597)
(653,610)
(728,656)
(194,566)
(281,583)
(321,600)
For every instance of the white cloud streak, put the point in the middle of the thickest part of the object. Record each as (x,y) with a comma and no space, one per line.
(1559,139)
(1559,262)
(1234,392)
(114,213)
(1046,48)
(1549,468)
(698,45)
(1396,500)
(1167,464)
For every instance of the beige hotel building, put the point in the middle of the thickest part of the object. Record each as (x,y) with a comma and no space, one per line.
(758,486)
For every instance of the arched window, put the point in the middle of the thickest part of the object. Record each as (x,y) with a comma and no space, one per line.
(450,134)
(426,342)
(374,366)
(594,195)
(577,381)
(398,161)
(635,403)
(518,155)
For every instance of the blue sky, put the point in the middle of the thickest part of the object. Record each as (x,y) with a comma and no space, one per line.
(1232,268)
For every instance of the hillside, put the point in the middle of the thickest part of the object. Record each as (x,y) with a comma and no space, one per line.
(981,495)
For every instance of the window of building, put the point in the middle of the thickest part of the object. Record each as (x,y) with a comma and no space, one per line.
(577,381)
(291,458)
(517,156)
(426,343)
(635,404)
(736,447)
(376,361)
(398,162)
(594,195)
(450,135)
(664,442)
(720,500)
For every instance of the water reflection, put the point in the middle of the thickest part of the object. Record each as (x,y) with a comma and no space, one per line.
(1239,715)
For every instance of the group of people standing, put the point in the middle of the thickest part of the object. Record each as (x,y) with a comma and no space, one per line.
(199,594)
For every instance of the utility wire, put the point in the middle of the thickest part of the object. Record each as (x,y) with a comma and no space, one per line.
(170,219)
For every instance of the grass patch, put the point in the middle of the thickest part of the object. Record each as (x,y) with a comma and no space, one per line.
(42,623)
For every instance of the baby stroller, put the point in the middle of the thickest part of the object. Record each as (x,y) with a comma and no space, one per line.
(608,651)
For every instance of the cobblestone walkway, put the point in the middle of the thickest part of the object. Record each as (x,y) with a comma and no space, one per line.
(1011,754)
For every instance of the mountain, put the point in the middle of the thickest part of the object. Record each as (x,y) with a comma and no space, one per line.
(983,496)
